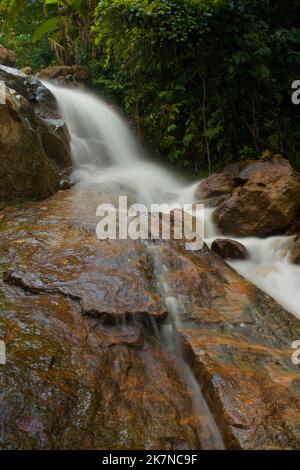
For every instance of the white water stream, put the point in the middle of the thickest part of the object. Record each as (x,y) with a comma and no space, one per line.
(105,151)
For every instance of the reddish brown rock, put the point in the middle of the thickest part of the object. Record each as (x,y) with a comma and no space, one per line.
(73,383)
(238,341)
(242,170)
(229,249)
(66,73)
(215,187)
(294,251)
(34,141)
(7,57)
(267,203)
(235,168)
(83,371)
(78,377)
(109,280)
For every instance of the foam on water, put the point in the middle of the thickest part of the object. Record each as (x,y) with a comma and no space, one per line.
(268,266)
(104,150)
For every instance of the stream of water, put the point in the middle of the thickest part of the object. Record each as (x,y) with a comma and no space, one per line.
(105,151)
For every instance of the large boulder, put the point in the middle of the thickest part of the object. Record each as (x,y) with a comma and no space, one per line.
(7,57)
(266,201)
(66,74)
(34,141)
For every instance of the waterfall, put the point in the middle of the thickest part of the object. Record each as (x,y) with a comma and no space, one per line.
(105,151)
(267,266)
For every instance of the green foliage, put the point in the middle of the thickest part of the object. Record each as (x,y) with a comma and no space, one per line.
(204,81)
(203,78)
(17,25)
(58,23)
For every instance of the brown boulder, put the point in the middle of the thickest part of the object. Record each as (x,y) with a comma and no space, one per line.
(65,73)
(267,202)
(34,141)
(229,249)
(215,189)
(7,57)
(215,185)
(242,171)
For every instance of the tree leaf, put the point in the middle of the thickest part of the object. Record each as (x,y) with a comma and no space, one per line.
(46,27)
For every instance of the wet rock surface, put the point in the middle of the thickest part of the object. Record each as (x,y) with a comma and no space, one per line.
(238,340)
(84,367)
(229,249)
(294,252)
(264,199)
(293,231)
(110,280)
(34,142)
(215,188)
(73,383)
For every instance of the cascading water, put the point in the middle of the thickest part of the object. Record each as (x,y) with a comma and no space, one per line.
(268,265)
(105,152)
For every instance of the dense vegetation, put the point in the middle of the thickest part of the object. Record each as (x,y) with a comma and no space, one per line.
(204,81)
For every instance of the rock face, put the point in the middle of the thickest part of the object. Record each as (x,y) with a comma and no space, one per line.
(7,57)
(65,73)
(266,200)
(215,187)
(293,231)
(238,341)
(84,366)
(229,249)
(34,141)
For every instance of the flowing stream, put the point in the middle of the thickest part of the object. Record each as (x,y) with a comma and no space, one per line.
(105,152)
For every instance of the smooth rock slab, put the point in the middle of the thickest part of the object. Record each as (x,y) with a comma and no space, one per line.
(238,340)
(55,250)
(71,383)
(79,376)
